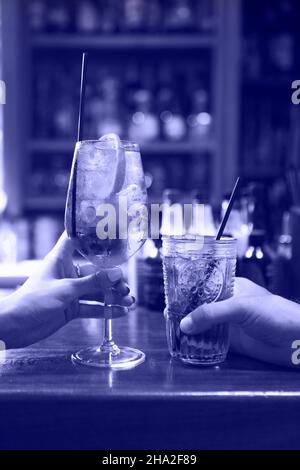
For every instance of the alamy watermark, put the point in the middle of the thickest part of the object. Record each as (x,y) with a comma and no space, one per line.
(120,221)
(2,352)
(296,93)
(295,358)
(2,92)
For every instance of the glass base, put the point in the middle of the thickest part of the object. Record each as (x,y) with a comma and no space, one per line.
(123,358)
(210,361)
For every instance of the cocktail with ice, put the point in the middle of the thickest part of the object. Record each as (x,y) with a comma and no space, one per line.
(110,196)
(197,270)
(106,215)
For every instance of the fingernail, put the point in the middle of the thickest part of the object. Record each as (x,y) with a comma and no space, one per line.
(124,290)
(129,300)
(186,325)
(114,275)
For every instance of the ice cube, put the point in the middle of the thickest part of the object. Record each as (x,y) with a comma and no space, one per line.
(88,212)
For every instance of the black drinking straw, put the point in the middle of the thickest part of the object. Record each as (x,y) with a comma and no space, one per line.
(79,139)
(228,210)
(82,96)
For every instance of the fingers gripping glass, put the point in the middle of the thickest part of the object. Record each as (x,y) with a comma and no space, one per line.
(107,180)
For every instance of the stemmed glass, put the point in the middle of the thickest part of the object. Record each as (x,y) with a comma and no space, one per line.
(106,215)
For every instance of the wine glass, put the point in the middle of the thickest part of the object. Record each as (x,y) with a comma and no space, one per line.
(106,215)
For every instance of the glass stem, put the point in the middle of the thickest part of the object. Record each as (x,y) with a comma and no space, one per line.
(108,345)
(107,330)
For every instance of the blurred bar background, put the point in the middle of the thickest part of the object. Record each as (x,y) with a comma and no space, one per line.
(203,85)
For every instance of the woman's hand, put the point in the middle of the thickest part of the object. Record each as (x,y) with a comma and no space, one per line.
(264,325)
(50,298)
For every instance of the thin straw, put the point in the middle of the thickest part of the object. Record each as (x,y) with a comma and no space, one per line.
(228,210)
(82,94)
(79,139)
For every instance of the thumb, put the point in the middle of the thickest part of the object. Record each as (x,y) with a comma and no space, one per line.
(63,247)
(208,315)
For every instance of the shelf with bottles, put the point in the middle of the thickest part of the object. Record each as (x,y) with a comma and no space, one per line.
(166,107)
(118,17)
(269,66)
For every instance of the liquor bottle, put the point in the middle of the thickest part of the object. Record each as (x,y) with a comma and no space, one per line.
(206,17)
(280,44)
(112,114)
(60,175)
(265,137)
(285,238)
(280,272)
(94,100)
(64,120)
(149,275)
(203,222)
(281,52)
(174,122)
(132,82)
(134,15)
(179,16)
(256,260)
(252,58)
(109,12)
(200,120)
(37,16)
(173,125)
(87,18)
(173,224)
(237,224)
(43,103)
(144,124)
(157,172)
(59,16)
(21,228)
(8,241)
(45,232)
(153,16)
(198,173)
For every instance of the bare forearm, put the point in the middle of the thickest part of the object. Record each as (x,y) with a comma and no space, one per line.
(26,319)
(10,333)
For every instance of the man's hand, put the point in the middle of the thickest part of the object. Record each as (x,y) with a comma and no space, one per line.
(264,325)
(50,298)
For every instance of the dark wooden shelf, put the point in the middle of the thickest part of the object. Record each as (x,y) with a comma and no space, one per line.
(126,41)
(155,148)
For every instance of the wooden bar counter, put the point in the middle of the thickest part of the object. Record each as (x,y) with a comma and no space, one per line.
(46,402)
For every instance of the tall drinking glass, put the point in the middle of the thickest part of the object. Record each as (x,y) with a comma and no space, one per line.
(197,270)
(105,215)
